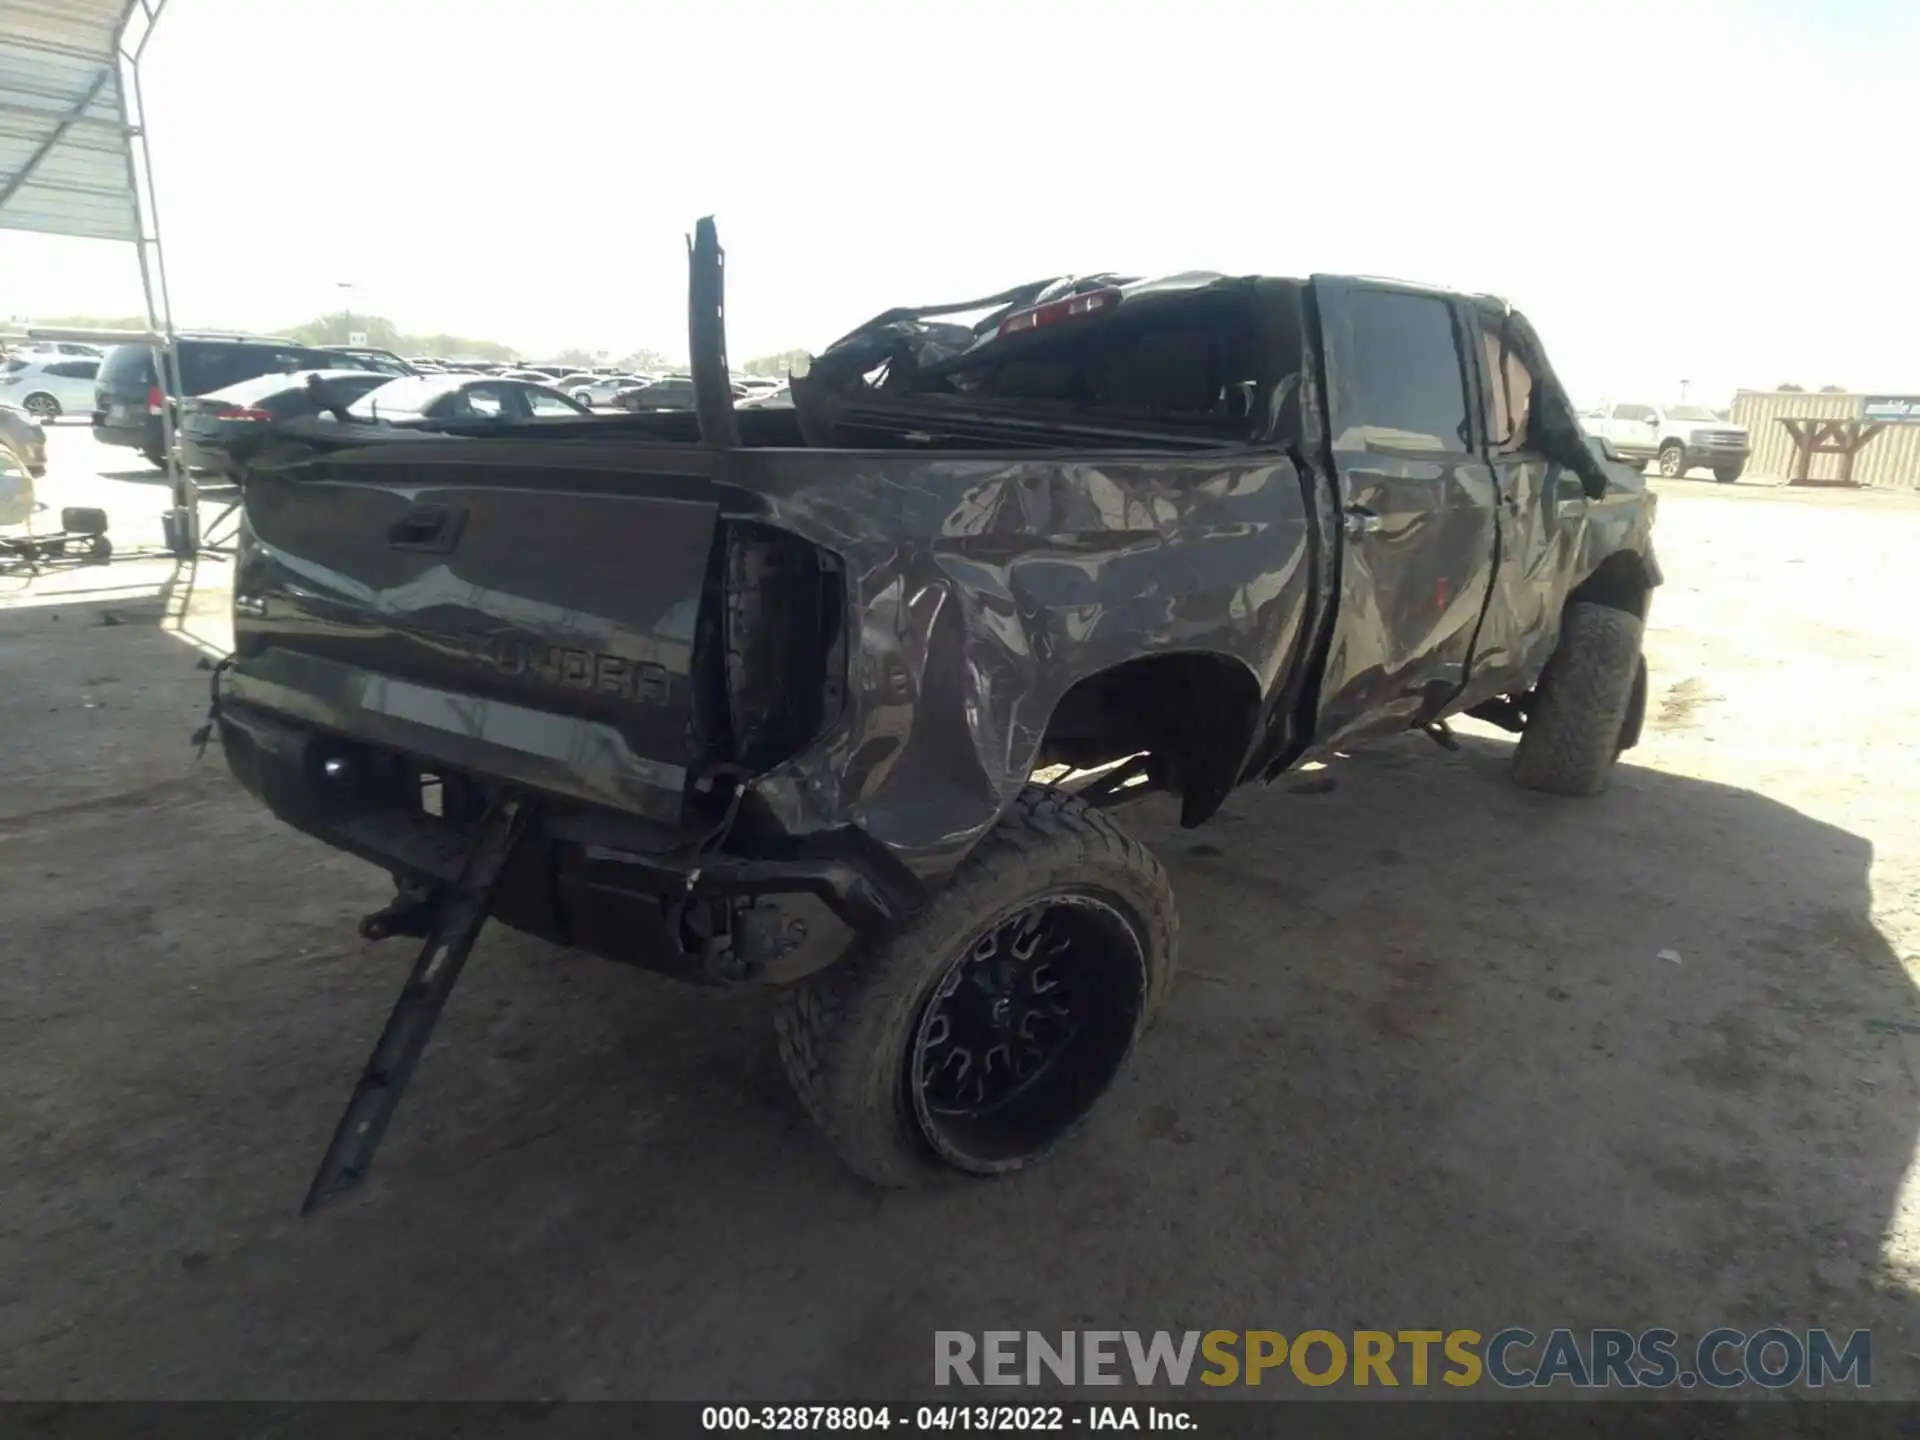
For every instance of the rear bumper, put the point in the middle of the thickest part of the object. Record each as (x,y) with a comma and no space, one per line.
(588,877)
(538,751)
(143,433)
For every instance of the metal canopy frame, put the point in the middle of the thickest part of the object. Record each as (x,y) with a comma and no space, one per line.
(74,161)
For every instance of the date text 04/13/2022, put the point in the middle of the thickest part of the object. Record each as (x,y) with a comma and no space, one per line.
(926,1418)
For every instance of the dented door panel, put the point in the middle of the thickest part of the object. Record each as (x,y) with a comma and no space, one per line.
(1417,556)
(1411,593)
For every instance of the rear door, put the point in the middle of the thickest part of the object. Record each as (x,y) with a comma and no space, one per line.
(71,382)
(1634,430)
(83,375)
(1419,507)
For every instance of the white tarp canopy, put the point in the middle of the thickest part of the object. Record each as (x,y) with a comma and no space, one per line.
(64,162)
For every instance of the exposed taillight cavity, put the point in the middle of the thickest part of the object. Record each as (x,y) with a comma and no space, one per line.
(156,397)
(1054,311)
(781,647)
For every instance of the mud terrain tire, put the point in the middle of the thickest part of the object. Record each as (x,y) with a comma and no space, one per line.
(850,1036)
(1577,721)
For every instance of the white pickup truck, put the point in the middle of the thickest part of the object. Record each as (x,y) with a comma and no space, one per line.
(1680,437)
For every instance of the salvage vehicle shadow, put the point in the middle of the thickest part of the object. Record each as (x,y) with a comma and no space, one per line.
(1444,1054)
(141,476)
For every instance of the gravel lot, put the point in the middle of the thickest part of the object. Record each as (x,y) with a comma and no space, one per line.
(1426,1065)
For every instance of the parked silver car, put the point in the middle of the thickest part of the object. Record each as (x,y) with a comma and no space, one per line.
(48,386)
(591,389)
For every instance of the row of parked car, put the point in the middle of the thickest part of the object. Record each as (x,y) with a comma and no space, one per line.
(119,387)
(228,384)
(606,386)
(217,431)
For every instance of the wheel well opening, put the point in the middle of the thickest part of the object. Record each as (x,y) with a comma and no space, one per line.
(1193,713)
(1620,583)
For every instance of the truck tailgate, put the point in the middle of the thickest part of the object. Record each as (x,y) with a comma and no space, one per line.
(536,626)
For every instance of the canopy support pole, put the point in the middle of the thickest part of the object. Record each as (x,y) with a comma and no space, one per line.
(182,523)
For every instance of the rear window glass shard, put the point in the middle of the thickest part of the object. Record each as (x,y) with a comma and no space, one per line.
(1509,408)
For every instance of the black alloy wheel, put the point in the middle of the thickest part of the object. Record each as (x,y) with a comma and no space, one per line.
(1025,1029)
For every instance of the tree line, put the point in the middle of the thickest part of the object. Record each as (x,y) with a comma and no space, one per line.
(383,334)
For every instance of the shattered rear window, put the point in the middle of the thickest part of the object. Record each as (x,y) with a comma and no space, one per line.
(1193,361)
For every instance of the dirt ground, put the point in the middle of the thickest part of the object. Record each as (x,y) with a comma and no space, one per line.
(1426,1065)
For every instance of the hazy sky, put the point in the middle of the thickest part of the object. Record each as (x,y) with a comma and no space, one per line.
(1629,173)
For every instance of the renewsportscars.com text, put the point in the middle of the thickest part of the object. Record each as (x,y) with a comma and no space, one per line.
(1513,1358)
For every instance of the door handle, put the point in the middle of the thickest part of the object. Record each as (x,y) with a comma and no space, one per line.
(431,528)
(1362,521)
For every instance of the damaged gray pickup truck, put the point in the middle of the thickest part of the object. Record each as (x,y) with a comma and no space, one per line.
(694,689)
